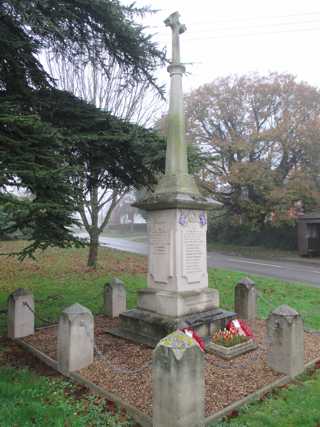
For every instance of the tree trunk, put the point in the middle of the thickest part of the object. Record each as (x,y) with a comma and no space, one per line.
(94,228)
(93,250)
(92,224)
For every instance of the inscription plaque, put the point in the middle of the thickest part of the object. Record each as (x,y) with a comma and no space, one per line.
(160,257)
(159,239)
(194,252)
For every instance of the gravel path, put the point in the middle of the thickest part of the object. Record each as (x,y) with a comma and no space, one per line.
(226,381)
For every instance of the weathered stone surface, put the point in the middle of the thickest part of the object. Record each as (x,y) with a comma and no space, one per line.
(75,339)
(20,314)
(231,352)
(177,250)
(178,382)
(286,340)
(246,299)
(178,200)
(149,328)
(115,298)
(176,304)
(177,226)
(286,311)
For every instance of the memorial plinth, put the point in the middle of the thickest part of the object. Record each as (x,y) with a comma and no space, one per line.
(177,270)
(177,294)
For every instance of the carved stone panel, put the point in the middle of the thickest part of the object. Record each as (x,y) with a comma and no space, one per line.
(177,250)
(160,247)
(194,256)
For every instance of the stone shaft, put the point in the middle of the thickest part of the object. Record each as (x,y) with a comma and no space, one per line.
(115,299)
(286,339)
(246,299)
(178,382)
(20,314)
(176,155)
(176,174)
(177,272)
(75,339)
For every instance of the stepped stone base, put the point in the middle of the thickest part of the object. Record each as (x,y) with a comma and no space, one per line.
(149,328)
(177,304)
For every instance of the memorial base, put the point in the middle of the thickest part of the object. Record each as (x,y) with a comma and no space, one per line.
(231,352)
(149,328)
(177,304)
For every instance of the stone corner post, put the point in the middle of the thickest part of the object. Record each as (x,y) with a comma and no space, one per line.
(286,338)
(245,299)
(75,339)
(20,314)
(115,298)
(178,382)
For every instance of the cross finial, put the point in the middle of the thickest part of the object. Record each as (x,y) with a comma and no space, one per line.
(177,28)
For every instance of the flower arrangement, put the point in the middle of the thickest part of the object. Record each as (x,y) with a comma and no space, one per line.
(240,327)
(197,339)
(233,341)
(236,332)
(228,338)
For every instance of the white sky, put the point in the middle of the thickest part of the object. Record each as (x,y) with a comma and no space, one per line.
(241,36)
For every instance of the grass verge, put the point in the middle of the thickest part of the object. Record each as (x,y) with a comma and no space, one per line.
(256,252)
(291,406)
(27,399)
(60,278)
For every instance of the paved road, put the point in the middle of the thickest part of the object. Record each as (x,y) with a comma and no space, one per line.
(284,270)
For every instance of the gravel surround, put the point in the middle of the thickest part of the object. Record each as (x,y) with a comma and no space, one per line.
(226,381)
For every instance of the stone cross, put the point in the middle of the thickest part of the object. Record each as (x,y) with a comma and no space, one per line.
(177,178)
(177,28)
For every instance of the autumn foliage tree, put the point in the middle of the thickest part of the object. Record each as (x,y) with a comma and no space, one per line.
(261,138)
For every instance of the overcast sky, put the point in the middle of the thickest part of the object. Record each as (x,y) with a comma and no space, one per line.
(241,36)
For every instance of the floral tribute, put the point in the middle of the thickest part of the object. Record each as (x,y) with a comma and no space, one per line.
(240,327)
(236,332)
(192,334)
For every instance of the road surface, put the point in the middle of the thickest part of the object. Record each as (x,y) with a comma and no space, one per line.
(284,270)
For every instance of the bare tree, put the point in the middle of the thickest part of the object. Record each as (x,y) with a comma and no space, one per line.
(108,90)
(128,100)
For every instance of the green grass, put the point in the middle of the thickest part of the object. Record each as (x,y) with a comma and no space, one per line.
(255,251)
(303,298)
(27,399)
(60,278)
(295,406)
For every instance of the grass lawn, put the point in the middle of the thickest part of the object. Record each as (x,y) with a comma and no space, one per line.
(60,278)
(293,406)
(257,252)
(27,399)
